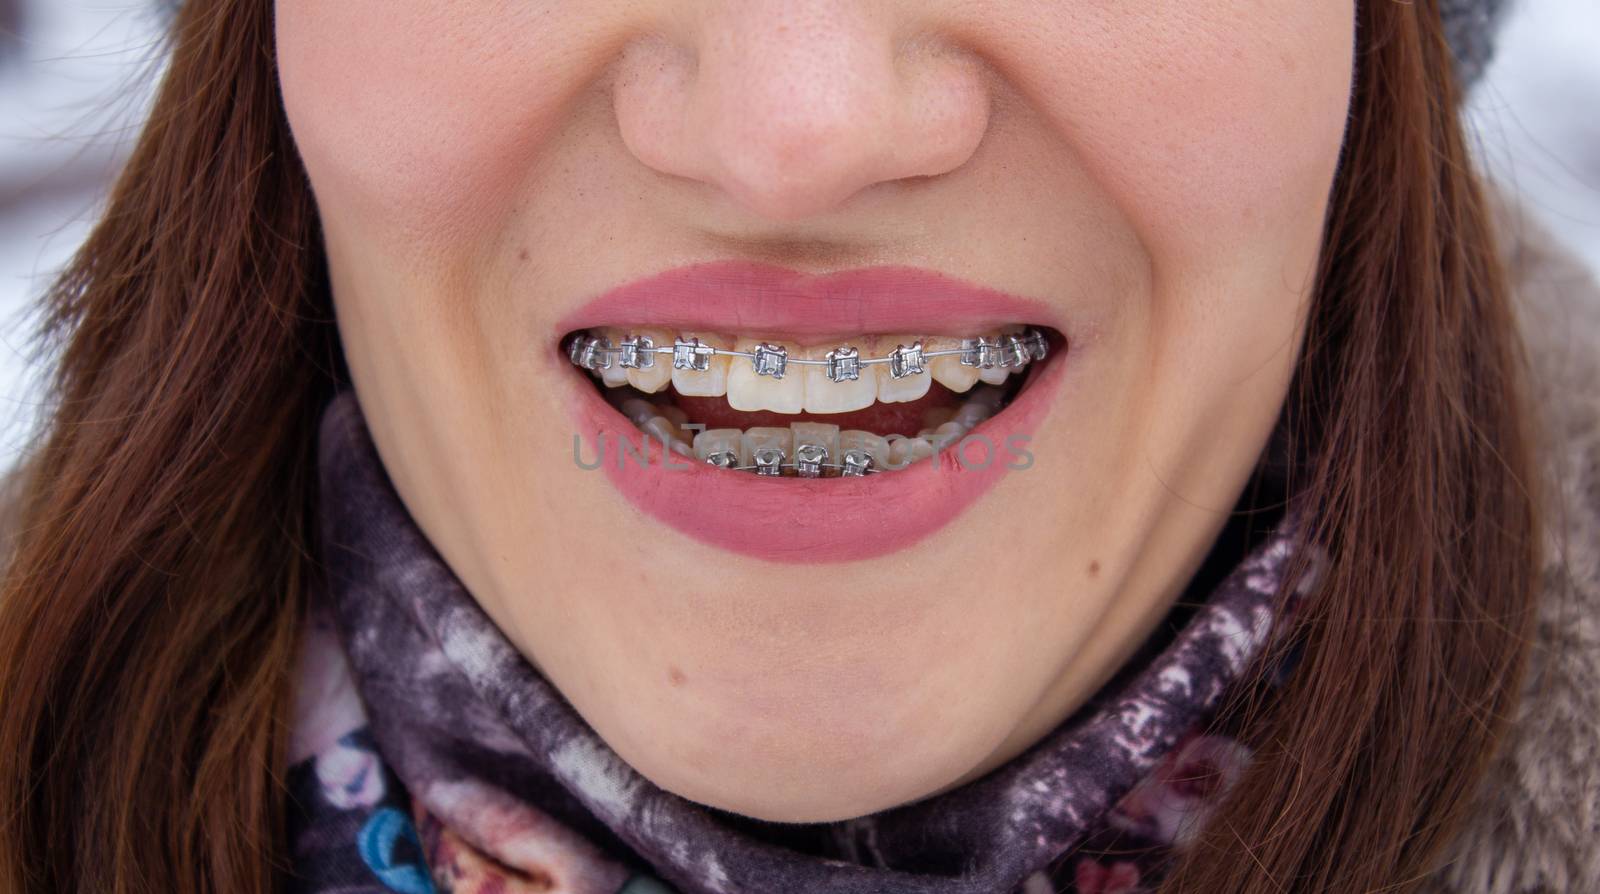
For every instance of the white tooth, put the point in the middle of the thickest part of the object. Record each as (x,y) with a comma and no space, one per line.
(614,376)
(639,411)
(762,436)
(876,445)
(748,391)
(663,430)
(949,434)
(709,382)
(819,433)
(947,370)
(986,396)
(823,395)
(718,440)
(905,451)
(906,388)
(660,372)
(995,375)
(676,414)
(972,414)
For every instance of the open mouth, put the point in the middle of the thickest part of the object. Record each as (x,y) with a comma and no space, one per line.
(800,417)
(779,407)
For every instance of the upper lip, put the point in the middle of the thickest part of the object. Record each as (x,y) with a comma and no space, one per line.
(750,297)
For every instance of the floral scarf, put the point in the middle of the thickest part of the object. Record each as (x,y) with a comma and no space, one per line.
(428,755)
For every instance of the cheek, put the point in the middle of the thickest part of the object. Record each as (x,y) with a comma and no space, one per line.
(416,119)
(1212,125)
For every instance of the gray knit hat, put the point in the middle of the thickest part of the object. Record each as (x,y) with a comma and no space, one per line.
(1470,26)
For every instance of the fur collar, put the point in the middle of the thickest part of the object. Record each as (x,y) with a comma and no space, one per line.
(1535,826)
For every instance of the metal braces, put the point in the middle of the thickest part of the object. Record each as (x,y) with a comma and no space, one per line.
(810,461)
(843,363)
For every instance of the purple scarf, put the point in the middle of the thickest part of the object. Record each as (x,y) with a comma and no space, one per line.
(428,755)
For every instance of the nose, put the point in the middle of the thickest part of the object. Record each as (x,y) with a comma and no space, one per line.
(792,108)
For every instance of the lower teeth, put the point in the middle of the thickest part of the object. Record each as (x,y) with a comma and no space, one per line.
(812,449)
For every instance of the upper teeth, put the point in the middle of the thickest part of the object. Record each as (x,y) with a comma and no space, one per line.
(761,375)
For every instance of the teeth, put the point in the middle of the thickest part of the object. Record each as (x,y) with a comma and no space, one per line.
(875,445)
(749,391)
(639,411)
(948,370)
(997,374)
(1000,371)
(664,430)
(972,414)
(654,377)
(905,451)
(765,375)
(817,434)
(722,441)
(710,382)
(676,414)
(994,375)
(948,435)
(824,395)
(818,379)
(908,388)
(761,442)
(841,451)
(613,375)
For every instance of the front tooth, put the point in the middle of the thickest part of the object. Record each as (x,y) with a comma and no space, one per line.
(659,373)
(757,438)
(819,433)
(947,370)
(710,382)
(720,440)
(750,392)
(906,388)
(876,445)
(823,395)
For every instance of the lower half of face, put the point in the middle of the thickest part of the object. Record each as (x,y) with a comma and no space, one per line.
(826,401)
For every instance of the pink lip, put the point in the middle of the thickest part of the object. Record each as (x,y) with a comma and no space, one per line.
(791,519)
(752,299)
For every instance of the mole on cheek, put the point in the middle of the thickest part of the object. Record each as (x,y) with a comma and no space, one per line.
(1094,567)
(675,676)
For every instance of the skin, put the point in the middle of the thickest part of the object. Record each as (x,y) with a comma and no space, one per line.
(1160,172)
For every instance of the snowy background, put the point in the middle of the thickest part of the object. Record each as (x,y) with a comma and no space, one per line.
(76,75)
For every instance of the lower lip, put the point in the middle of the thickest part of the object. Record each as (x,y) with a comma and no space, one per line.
(808,520)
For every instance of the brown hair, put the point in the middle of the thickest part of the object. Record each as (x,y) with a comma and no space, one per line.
(149,613)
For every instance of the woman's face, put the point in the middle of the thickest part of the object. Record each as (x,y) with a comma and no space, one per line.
(1145,183)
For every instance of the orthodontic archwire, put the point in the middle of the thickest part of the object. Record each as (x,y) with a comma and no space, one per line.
(810,460)
(843,363)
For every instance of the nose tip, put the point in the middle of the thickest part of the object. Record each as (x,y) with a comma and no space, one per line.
(791,112)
